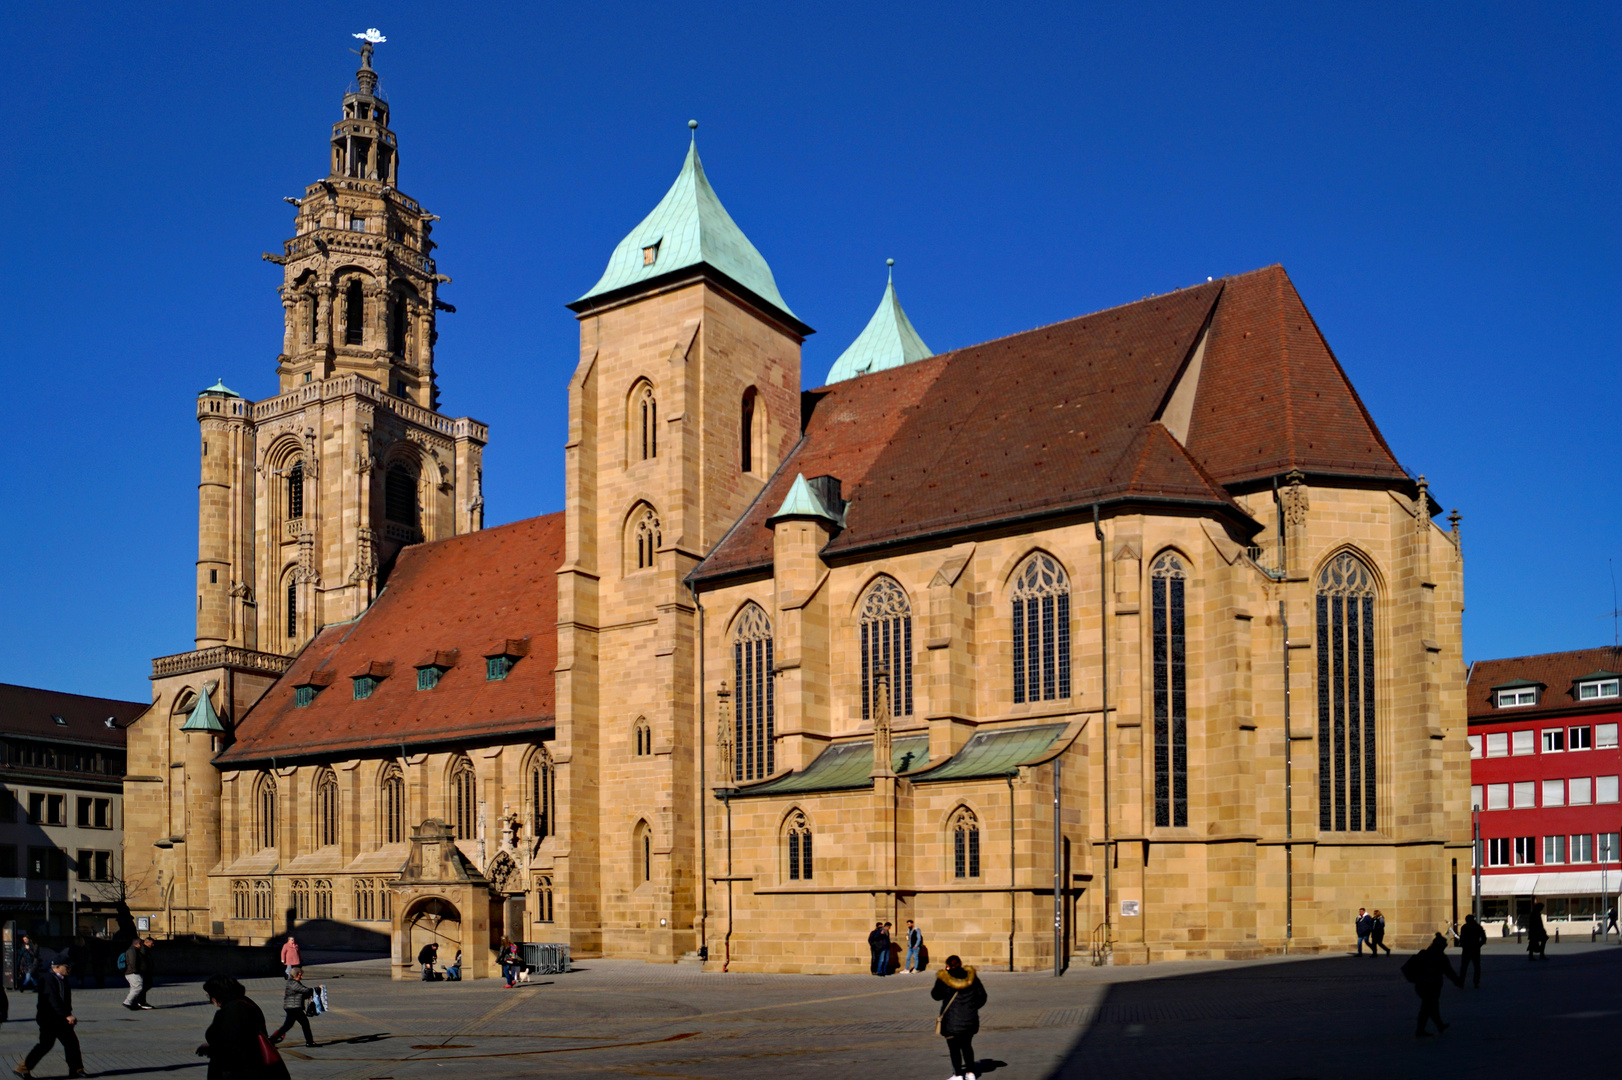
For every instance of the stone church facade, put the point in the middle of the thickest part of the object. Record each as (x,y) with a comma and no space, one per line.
(1125,638)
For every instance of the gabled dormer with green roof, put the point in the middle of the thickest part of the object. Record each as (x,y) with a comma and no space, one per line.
(887,341)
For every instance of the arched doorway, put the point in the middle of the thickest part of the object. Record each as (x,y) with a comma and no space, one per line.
(431,920)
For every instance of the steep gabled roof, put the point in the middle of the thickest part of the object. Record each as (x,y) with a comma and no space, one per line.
(1558,673)
(1051,420)
(888,340)
(455,601)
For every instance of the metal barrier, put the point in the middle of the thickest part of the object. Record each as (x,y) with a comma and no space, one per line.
(546,958)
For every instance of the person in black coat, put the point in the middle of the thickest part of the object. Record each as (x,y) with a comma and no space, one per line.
(1471,938)
(962,995)
(56,1021)
(1537,935)
(426,956)
(875,943)
(232,1041)
(1426,970)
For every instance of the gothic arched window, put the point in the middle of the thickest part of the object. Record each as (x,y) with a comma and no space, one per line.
(886,619)
(354,313)
(642,736)
(1041,631)
(264,823)
(746,432)
(644,422)
(1167,581)
(292,609)
(965,843)
(326,809)
(464,807)
(645,537)
(543,898)
(322,899)
(400,495)
(543,794)
(798,832)
(1346,744)
(642,852)
(391,805)
(756,720)
(295,491)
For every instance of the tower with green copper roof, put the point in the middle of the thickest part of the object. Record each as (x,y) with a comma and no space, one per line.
(887,341)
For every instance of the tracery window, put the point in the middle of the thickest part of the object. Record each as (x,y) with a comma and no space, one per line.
(301,898)
(240,905)
(326,809)
(295,491)
(391,805)
(645,423)
(400,495)
(364,906)
(965,843)
(261,898)
(1168,580)
(645,536)
(799,847)
(321,899)
(1345,653)
(543,898)
(886,620)
(464,810)
(1041,631)
(543,794)
(756,720)
(642,735)
(265,813)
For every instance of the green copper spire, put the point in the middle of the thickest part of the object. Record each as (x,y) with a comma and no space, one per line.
(688,228)
(203,717)
(888,340)
(220,388)
(802,502)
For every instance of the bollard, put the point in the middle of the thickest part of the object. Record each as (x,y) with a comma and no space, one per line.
(1517,935)
(1557,935)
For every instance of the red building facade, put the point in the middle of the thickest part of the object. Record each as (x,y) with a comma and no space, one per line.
(1545,771)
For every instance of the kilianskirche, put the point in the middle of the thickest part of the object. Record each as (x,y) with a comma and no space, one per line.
(1117,640)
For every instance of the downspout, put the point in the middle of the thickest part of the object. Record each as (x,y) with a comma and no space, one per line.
(1103,716)
(1289,735)
(1013,897)
(703,797)
(728,943)
(1058,868)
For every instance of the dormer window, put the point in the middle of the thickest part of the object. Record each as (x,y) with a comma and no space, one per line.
(428,677)
(432,666)
(650,254)
(364,685)
(500,659)
(1599,688)
(1516,695)
(304,693)
(367,678)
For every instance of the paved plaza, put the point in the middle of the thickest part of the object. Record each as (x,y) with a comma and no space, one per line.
(1320,1017)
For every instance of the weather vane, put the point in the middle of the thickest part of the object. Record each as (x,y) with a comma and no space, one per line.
(372,36)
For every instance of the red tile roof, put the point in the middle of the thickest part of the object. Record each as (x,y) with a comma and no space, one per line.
(454,601)
(1556,671)
(1054,419)
(32,713)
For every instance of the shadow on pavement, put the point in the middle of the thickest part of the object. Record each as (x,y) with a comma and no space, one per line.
(1353,1017)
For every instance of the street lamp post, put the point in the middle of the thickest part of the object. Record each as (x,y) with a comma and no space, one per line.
(1476,857)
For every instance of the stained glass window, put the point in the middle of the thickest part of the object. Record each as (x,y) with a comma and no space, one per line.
(1168,579)
(886,619)
(965,844)
(1041,631)
(799,847)
(1346,733)
(756,721)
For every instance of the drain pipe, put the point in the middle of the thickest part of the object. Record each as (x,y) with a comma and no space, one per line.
(1103,716)
(728,943)
(1289,735)
(1013,897)
(703,797)
(1058,868)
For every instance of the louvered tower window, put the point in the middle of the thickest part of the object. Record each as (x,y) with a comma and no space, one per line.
(354,313)
(295,491)
(400,495)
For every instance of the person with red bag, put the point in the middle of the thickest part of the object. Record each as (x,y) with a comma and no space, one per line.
(237,1046)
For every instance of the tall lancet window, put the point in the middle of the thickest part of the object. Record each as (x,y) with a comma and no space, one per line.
(295,490)
(1041,631)
(886,618)
(1345,648)
(756,715)
(354,313)
(1167,581)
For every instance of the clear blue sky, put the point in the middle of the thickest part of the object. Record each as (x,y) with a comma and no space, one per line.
(1440,180)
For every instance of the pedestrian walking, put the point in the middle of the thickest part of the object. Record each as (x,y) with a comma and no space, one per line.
(1377,934)
(1365,927)
(1611,924)
(1471,938)
(56,1021)
(1426,969)
(295,996)
(1537,936)
(233,1041)
(138,973)
(290,957)
(26,966)
(962,996)
(426,957)
(875,942)
(915,947)
(507,955)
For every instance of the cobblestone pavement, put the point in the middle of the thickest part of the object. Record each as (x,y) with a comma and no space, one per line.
(1321,1017)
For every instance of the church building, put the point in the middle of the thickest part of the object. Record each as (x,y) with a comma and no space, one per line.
(1122,639)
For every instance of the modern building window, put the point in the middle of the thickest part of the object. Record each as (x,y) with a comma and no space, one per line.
(464,807)
(1475,745)
(1605,736)
(1497,796)
(1041,622)
(543,898)
(1554,742)
(292,609)
(799,847)
(1478,795)
(965,844)
(646,538)
(8,860)
(265,813)
(1603,688)
(1580,738)
(1554,793)
(1526,850)
(755,725)
(1509,699)
(1526,794)
(642,737)
(1347,774)
(95,813)
(47,864)
(1581,848)
(543,794)
(354,313)
(1522,743)
(1579,791)
(1498,744)
(295,491)
(1554,850)
(94,865)
(400,495)
(1498,851)
(8,804)
(1609,848)
(326,809)
(886,622)
(1605,789)
(391,805)
(1168,579)
(47,809)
